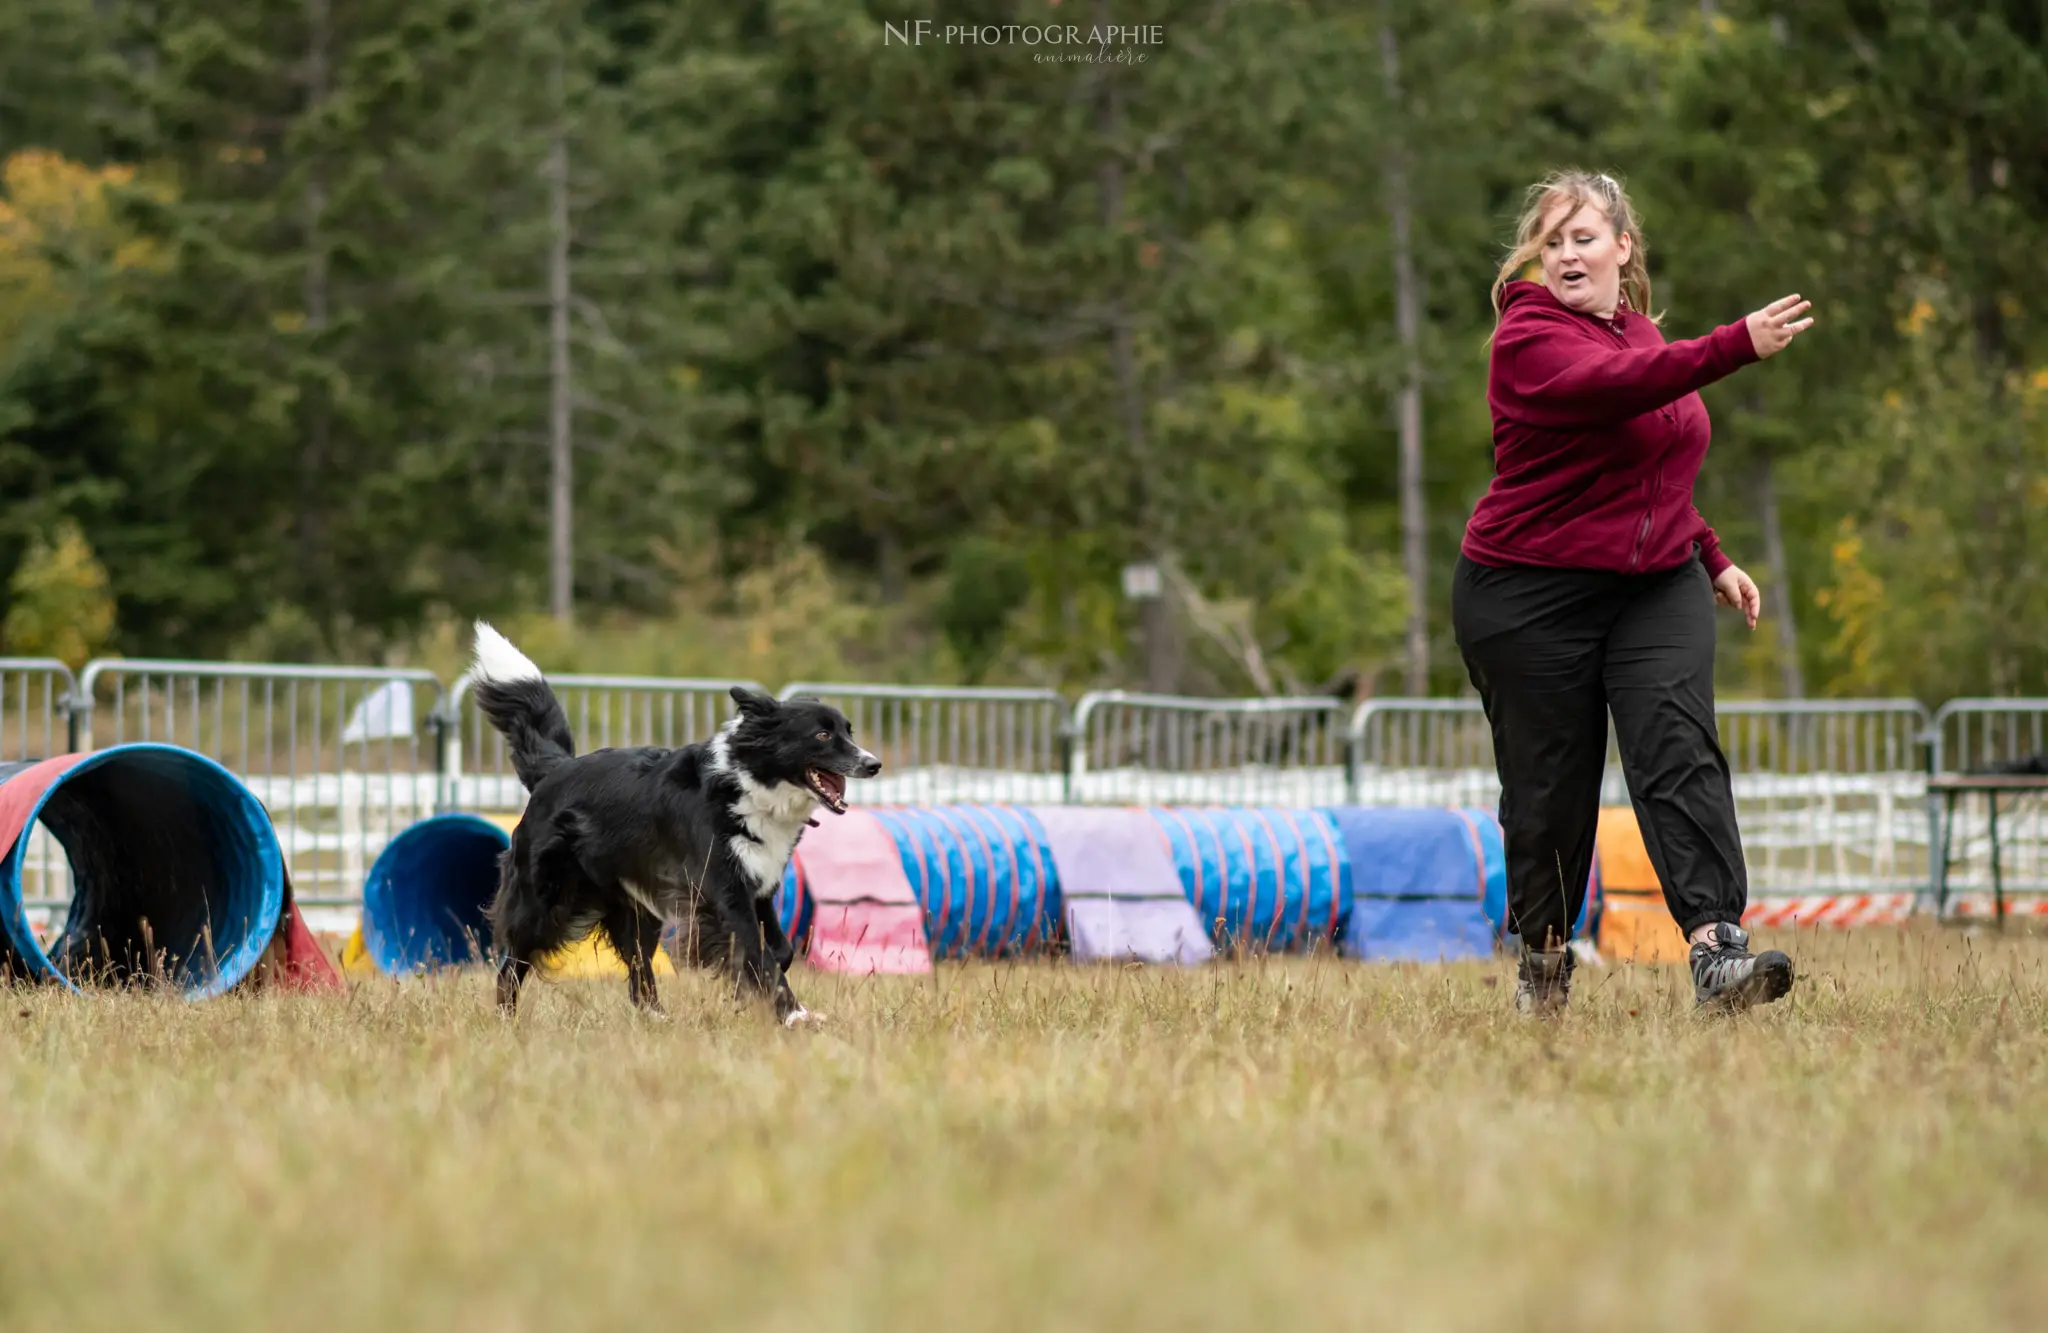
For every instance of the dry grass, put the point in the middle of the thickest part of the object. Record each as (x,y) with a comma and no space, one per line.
(1291,1145)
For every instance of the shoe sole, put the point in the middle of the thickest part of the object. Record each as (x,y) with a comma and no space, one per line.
(1770,981)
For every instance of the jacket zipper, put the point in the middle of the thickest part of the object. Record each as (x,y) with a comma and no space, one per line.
(1649,512)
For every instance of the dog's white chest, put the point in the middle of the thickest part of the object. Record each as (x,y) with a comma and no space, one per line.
(774,817)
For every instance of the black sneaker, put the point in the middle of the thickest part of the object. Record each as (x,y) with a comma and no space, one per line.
(1544,984)
(1726,975)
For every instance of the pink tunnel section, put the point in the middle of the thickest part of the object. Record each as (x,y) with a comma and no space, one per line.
(865,918)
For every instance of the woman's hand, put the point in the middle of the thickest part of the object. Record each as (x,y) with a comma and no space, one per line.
(1772,329)
(1735,588)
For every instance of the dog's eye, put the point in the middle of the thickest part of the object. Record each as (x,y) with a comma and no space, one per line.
(824,735)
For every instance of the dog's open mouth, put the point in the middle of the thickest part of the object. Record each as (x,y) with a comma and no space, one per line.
(831,788)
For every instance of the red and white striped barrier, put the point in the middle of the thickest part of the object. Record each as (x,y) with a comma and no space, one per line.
(1831,909)
(1980,904)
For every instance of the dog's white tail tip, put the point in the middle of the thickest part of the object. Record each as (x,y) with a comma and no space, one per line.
(497,660)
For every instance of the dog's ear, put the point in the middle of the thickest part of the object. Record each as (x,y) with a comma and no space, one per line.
(753,703)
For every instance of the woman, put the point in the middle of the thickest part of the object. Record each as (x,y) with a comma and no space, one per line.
(1587,583)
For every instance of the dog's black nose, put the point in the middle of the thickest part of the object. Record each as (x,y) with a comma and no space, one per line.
(870,766)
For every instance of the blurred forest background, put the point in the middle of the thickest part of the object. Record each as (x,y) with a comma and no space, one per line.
(742,339)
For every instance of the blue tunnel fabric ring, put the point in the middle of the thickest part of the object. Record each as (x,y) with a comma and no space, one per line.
(424,899)
(174,863)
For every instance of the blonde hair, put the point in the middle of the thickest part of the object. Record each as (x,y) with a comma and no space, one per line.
(1579,188)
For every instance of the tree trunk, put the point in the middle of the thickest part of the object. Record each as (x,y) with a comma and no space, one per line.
(1408,328)
(1781,580)
(1162,667)
(892,566)
(1987,319)
(313,566)
(561,562)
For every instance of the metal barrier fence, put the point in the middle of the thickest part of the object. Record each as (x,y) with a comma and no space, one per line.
(341,756)
(1971,735)
(1152,749)
(604,712)
(1831,795)
(938,745)
(1977,733)
(35,697)
(1422,752)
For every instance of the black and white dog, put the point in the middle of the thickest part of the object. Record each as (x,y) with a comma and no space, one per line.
(631,839)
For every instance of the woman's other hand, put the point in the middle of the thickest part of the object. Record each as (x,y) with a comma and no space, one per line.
(1737,589)
(1772,329)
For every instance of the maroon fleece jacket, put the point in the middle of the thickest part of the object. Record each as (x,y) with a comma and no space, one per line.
(1598,436)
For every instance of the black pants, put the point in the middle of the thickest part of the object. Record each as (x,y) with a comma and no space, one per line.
(1552,652)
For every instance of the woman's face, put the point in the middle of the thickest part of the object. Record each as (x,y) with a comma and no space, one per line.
(1582,260)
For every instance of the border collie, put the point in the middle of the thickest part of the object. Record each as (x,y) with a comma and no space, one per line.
(629,840)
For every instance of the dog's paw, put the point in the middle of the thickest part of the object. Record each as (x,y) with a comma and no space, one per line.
(802,1017)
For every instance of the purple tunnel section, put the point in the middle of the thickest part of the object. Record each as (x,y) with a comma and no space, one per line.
(1123,898)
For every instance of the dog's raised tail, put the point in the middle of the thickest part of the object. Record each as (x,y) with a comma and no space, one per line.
(517,699)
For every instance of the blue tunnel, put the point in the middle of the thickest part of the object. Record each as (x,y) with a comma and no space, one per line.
(176,872)
(424,899)
(1261,878)
(983,875)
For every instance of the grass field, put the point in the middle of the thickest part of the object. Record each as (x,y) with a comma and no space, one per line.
(1298,1145)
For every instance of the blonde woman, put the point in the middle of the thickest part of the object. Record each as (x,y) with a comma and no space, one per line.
(1587,583)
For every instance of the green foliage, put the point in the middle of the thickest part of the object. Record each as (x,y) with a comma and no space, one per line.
(1939,581)
(1338,608)
(986,582)
(59,604)
(845,312)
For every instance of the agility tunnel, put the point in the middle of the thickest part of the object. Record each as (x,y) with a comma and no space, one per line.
(1121,893)
(793,904)
(864,915)
(1421,880)
(1152,884)
(983,874)
(1635,925)
(175,867)
(1588,925)
(425,895)
(1264,879)
(425,898)
(891,889)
